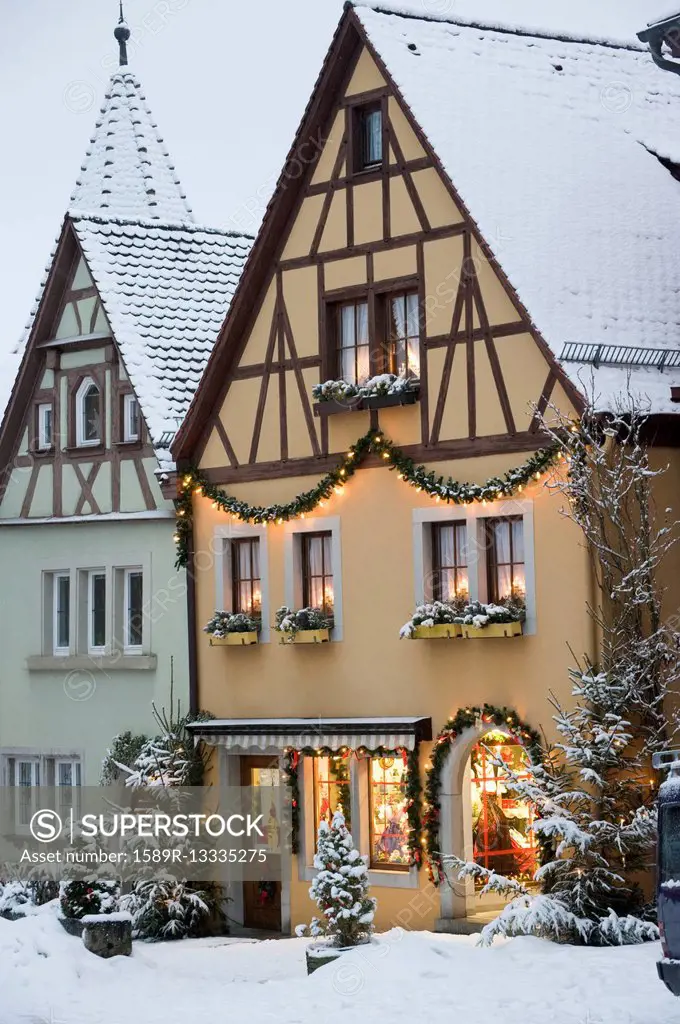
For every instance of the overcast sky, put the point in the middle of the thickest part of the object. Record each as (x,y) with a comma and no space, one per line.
(226,80)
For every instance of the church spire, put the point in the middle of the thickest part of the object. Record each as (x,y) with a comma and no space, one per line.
(122,34)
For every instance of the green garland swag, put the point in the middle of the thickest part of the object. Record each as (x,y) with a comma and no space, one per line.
(372,443)
(465,718)
(413,791)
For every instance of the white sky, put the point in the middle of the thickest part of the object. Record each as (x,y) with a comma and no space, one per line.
(227,83)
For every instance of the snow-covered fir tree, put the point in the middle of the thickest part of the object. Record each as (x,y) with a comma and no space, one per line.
(340,889)
(592,794)
(165,907)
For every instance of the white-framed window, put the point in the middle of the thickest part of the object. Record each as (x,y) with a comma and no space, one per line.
(131,418)
(315,568)
(66,772)
(492,560)
(133,611)
(88,413)
(61,608)
(242,572)
(96,611)
(26,770)
(25,775)
(45,426)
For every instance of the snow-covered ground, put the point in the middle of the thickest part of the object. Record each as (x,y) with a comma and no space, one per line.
(47,976)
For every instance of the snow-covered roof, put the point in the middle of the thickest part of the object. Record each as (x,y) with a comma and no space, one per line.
(127,171)
(553,146)
(166,289)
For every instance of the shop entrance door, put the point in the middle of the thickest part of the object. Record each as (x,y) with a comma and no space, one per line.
(262,900)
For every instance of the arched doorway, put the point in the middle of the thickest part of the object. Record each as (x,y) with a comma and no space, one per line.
(480,819)
(500,821)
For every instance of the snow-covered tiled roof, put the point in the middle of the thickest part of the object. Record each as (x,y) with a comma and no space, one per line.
(127,171)
(551,145)
(166,289)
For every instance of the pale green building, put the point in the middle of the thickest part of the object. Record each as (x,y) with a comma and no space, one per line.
(131,305)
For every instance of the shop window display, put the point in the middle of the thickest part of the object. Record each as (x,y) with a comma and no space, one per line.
(388,810)
(331,789)
(501,822)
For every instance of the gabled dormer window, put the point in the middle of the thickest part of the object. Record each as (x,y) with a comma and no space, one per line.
(131,420)
(88,414)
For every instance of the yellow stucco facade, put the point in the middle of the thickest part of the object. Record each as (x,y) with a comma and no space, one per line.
(483,371)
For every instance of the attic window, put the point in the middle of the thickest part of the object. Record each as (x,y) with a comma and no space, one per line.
(88,414)
(130,418)
(368,137)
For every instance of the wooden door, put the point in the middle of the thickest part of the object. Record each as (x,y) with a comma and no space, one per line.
(261,900)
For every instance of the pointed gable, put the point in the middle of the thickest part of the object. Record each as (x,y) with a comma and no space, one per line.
(132,271)
(127,171)
(378,239)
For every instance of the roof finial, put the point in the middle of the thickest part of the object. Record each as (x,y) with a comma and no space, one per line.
(122,34)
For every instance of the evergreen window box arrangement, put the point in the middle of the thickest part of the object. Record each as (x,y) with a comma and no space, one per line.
(306,626)
(435,621)
(378,392)
(481,621)
(232,629)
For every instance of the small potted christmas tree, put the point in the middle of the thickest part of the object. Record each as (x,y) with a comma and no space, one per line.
(340,891)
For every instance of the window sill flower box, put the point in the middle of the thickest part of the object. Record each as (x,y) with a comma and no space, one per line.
(306,626)
(480,621)
(234,640)
(308,636)
(436,621)
(503,629)
(227,629)
(445,632)
(382,392)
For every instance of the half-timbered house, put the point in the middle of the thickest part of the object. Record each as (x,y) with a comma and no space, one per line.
(481,231)
(134,295)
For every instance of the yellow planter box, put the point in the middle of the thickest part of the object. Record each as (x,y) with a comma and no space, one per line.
(493,629)
(234,640)
(445,631)
(307,636)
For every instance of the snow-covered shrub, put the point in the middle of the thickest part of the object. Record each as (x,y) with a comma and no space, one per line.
(43,891)
(15,899)
(291,622)
(230,622)
(173,758)
(79,898)
(173,909)
(439,613)
(478,614)
(374,387)
(124,750)
(340,889)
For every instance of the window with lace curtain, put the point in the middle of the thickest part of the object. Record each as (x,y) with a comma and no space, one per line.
(317,571)
(505,558)
(402,341)
(354,350)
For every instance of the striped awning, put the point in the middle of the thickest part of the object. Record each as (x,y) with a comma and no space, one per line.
(274,735)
